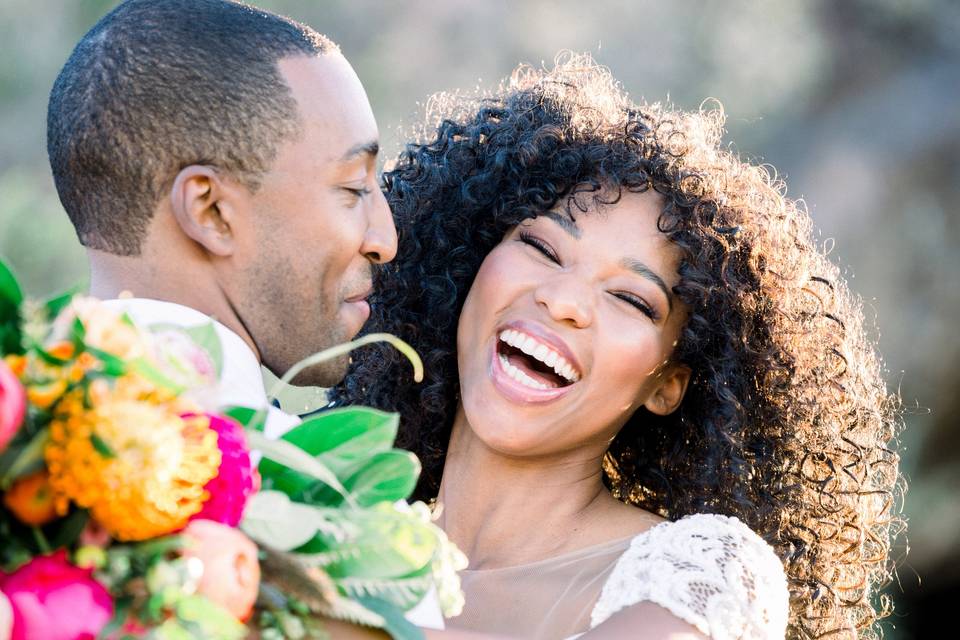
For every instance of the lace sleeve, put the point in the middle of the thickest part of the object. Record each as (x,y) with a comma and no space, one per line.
(708,569)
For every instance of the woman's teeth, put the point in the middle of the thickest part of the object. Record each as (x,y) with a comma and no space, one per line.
(520,376)
(536,349)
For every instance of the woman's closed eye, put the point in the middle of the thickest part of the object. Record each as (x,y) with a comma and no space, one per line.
(540,246)
(638,303)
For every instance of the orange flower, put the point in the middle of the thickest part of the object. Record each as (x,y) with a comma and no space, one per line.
(30,499)
(139,467)
(44,395)
(231,571)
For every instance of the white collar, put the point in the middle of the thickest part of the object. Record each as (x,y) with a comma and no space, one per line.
(241,381)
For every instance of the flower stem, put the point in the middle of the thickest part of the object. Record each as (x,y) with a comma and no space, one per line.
(41,540)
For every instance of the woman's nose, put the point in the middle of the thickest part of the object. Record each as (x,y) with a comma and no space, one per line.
(568,300)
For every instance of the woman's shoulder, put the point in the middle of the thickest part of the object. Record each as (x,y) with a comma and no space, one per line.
(711,570)
(713,525)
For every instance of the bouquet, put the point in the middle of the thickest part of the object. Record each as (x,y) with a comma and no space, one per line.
(132,505)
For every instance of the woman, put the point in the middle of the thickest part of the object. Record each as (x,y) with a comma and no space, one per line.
(650,406)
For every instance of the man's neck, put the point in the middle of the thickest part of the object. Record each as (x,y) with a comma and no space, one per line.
(112,276)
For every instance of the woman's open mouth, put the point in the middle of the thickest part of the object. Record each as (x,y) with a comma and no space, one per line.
(532,362)
(529,369)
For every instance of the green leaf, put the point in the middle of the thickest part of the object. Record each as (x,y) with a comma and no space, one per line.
(29,458)
(386,477)
(112,365)
(101,446)
(48,357)
(342,440)
(53,306)
(10,299)
(295,458)
(347,431)
(396,624)
(273,519)
(154,548)
(404,592)
(9,287)
(151,373)
(391,544)
(68,530)
(77,334)
(245,416)
(121,610)
(213,621)
(204,336)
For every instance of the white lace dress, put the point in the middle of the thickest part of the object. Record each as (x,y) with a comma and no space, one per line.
(708,569)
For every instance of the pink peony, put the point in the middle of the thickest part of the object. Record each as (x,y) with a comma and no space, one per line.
(231,571)
(13,403)
(6,617)
(237,478)
(54,600)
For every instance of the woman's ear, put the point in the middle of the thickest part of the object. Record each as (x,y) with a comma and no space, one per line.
(669,393)
(201,201)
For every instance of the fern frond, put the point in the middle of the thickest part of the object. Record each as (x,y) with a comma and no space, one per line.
(351,611)
(403,592)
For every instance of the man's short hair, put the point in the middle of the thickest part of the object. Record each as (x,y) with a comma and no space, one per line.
(158,85)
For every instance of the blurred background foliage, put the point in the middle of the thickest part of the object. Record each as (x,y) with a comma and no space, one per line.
(853,102)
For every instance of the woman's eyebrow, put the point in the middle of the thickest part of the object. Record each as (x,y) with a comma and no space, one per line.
(644,271)
(566,223)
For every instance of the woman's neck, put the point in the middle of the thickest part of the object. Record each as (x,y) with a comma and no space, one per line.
(502,510)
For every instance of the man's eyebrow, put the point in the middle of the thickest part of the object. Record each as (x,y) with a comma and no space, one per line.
(566,223)
(644,271)
(371,148)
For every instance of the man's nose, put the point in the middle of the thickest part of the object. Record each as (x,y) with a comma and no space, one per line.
(568,299)
(380,240)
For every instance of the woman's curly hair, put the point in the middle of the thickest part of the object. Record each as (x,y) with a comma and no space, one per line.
(786,424)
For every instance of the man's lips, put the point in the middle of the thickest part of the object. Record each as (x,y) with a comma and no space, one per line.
(360,297)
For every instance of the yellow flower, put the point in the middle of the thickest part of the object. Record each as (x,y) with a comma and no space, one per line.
(140,468)
(44,395)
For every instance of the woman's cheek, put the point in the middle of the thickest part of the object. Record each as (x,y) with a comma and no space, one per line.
(632,355)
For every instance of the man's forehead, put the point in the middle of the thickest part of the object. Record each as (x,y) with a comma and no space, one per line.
(332,104)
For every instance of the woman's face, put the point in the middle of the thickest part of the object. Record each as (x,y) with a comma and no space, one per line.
(569,328)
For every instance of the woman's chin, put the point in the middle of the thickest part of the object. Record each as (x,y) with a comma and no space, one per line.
(513,442)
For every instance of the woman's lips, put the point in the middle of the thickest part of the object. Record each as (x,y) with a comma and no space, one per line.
(542,335)
(517,391)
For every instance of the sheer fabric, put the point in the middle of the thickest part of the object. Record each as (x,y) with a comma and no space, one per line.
(552,598)
(708,569)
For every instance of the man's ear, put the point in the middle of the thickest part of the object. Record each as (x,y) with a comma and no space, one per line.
(203,205)
(669,393)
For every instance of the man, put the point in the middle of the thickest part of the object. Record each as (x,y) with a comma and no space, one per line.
(223,158)
(219,161)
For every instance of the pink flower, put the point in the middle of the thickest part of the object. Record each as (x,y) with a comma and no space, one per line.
(231,571)
(13,403)
(237,478)
(54,600)
(6,617)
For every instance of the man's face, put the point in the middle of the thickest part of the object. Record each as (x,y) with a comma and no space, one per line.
(315,227)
